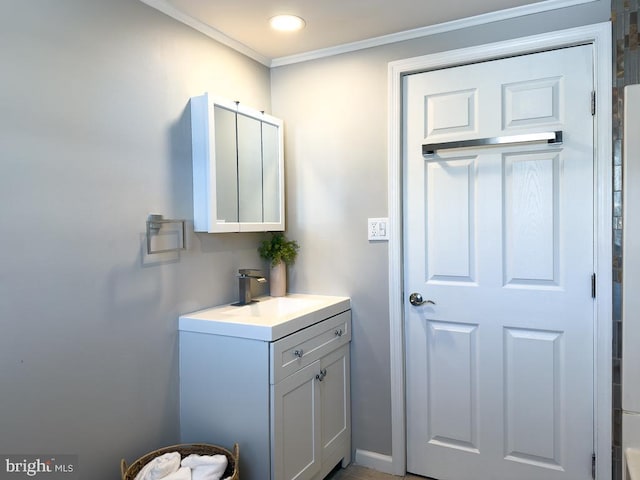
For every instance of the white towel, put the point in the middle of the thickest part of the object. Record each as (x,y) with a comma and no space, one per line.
(160,467)
(183,473)
(206,467)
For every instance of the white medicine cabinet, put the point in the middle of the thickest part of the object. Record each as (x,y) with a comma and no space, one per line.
(238,167)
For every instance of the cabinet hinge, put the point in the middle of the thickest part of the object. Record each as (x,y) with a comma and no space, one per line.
(593,102)
(593,466)
(593,285)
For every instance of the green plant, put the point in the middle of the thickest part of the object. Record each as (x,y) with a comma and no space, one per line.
(278,249)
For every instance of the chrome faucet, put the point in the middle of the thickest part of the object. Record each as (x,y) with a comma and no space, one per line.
(244,276)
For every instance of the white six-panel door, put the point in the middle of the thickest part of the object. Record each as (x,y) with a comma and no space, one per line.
(500,238)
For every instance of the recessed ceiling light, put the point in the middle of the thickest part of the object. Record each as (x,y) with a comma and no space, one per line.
(287,23)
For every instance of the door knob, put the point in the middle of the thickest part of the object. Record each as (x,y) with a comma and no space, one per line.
(416,300)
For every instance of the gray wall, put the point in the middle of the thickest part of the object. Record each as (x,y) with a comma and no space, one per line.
(94,135)
(335,112)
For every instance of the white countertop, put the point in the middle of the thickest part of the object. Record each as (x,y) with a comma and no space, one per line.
(269,319)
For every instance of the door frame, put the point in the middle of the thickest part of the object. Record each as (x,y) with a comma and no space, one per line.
(598,35)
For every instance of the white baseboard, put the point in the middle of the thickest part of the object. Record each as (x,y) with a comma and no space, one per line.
(375,461)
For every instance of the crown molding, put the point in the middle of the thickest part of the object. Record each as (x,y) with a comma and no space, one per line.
(491,17)
(165,7)
(177,14)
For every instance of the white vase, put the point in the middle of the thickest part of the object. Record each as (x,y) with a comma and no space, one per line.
(278,280)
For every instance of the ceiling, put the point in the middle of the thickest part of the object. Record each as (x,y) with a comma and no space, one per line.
(335,24)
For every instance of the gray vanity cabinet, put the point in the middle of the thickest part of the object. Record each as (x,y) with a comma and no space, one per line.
(285,402)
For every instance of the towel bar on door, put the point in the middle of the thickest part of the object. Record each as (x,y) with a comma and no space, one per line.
(548,137)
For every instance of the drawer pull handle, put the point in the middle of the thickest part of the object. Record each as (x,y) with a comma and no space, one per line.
(321,375)
(339,332)
(298,353)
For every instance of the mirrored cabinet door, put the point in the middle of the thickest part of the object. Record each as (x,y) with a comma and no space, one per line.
(271,178)
(250,196)
(226,169)
(238,168)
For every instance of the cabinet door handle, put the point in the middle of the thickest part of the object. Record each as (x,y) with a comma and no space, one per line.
(321,375)
(339,332)
(298,353)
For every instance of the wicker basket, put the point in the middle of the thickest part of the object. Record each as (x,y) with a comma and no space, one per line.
(130,472)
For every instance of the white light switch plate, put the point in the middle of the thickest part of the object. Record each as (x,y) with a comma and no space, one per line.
(378,229)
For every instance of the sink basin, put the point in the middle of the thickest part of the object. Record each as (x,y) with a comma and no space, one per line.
(268,319)
(274,307)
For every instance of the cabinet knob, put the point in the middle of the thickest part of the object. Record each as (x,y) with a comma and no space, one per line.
(338,332)
(298,353)
(321,375)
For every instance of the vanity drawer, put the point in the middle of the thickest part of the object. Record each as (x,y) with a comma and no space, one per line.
(302,348)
